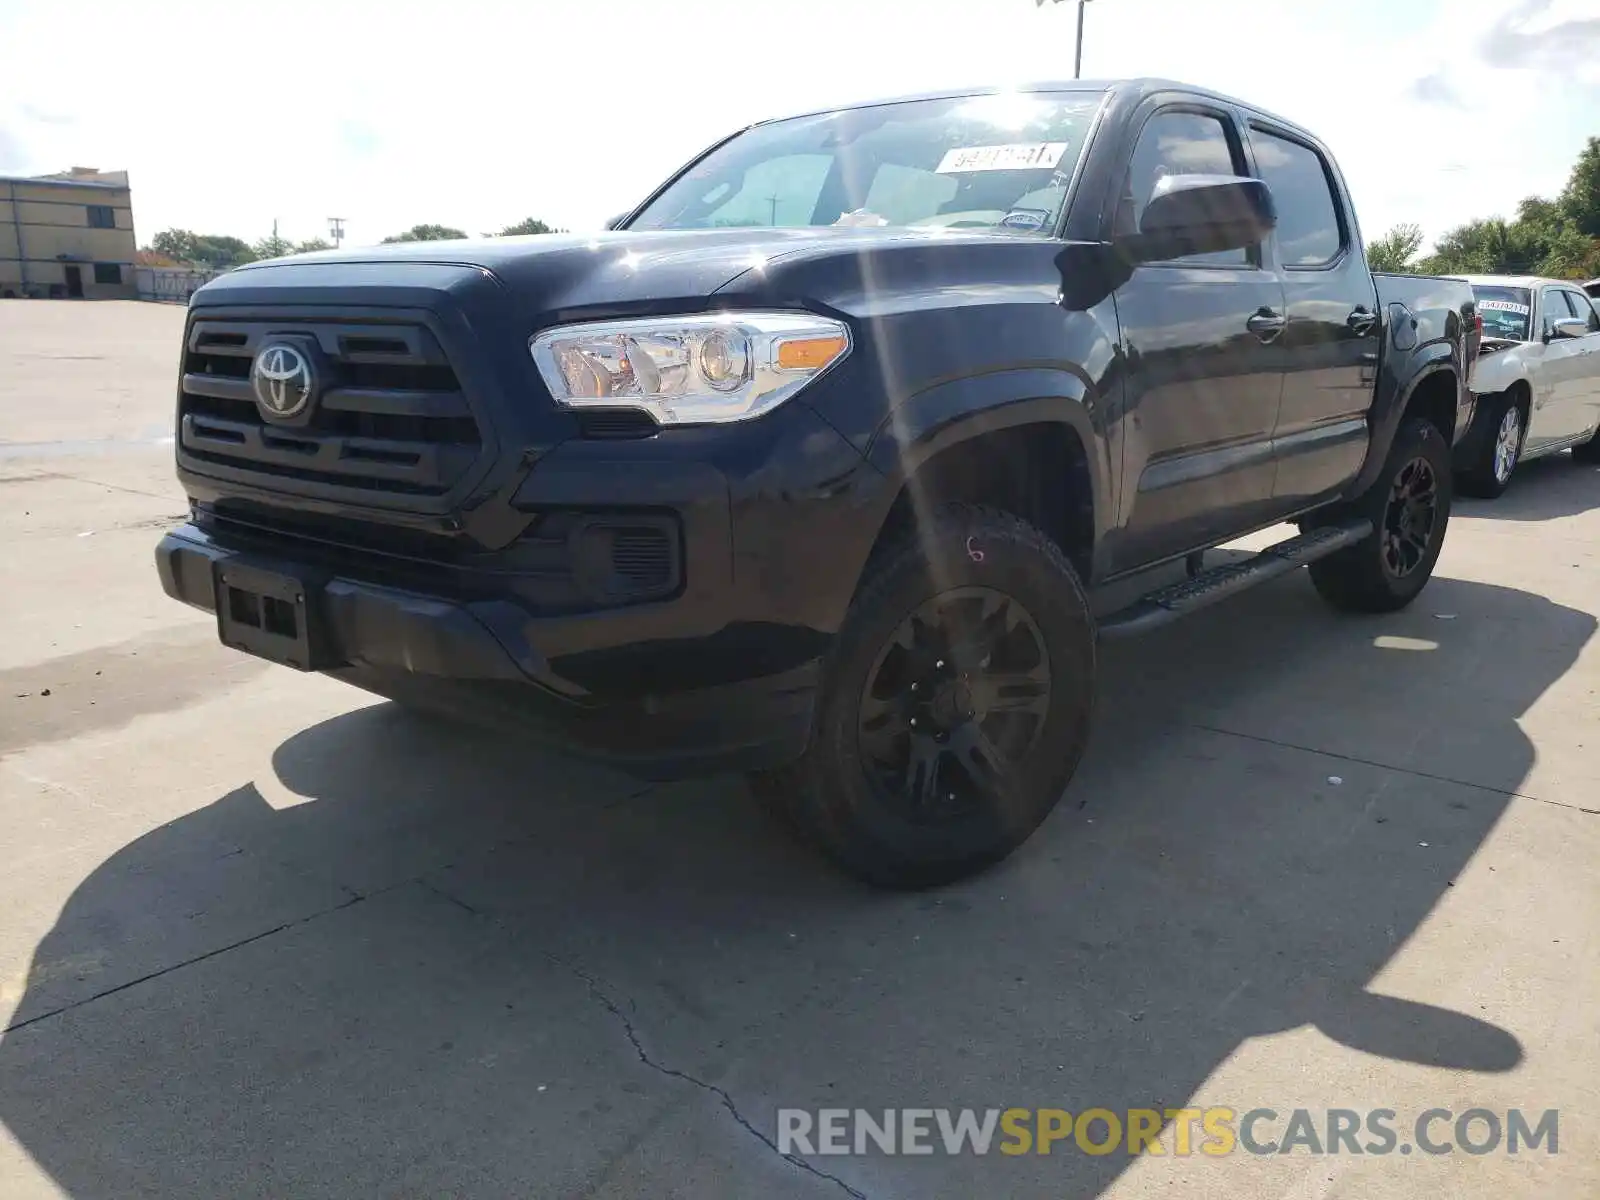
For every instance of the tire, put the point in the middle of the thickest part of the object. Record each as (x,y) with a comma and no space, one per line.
(1499,449)
(996,607)
(1588,452)
(1386,570)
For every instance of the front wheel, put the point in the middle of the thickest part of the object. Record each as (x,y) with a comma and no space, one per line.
(1409,507)
(955,705)
(1498,450)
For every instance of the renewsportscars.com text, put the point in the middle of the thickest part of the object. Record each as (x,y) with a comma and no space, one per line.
(1180,1131)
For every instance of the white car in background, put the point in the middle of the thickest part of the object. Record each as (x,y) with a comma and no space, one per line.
(1537,378)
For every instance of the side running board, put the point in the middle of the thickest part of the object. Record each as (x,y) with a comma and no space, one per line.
(1167,604)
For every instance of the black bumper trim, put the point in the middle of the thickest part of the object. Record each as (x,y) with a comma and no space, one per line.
(477,659)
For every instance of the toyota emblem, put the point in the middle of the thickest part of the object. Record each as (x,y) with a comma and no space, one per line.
(282,379)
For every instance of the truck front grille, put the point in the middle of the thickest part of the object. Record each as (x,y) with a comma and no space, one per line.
(389,417)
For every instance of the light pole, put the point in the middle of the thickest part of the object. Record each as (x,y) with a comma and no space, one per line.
(336,228)
(1077,54)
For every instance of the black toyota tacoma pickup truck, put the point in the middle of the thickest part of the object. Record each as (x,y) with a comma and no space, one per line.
(812,464)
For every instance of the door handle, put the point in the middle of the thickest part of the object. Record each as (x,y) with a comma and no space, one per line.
(1266,324)
(1361,321)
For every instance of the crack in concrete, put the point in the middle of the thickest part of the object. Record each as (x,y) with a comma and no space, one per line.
(355,898)
(1385,766)
(188,962)
(603,998)
(600,995)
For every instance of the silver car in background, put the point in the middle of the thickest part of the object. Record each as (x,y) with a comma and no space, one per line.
(1537,378)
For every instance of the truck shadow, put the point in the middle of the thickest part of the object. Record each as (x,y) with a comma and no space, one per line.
(1543,490)
(449,923)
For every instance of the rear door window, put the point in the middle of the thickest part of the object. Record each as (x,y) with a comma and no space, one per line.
(1310,231)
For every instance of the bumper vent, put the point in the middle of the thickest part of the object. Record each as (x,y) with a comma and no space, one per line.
(617,424)
(389,414)
(566,562)
(625,561)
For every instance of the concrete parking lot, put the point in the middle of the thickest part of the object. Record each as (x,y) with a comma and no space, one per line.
(262,935)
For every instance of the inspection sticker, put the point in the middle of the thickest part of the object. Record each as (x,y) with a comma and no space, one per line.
(1504,306)
(1029,156)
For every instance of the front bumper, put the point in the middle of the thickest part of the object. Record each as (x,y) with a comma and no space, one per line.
(489,660)
(1474,432)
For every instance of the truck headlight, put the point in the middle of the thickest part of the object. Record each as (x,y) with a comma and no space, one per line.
(707,368)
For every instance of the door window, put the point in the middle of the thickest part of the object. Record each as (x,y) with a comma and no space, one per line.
(1310,232)
(1179,143)
(1583,308)
(1554,307)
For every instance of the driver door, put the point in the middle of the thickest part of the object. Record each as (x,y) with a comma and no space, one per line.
(1204,371)
(1561,408)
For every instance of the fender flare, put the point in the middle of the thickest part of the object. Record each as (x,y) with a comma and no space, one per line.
(1387,410)
(959,410)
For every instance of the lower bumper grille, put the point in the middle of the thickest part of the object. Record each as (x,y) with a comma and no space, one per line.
(566,562)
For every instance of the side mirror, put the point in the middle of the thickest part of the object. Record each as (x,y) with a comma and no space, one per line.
(616,220)
(1201,214)
(1567,327)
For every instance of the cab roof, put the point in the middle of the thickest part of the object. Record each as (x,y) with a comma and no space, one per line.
(1140,87)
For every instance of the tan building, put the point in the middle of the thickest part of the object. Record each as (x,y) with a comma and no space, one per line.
(67,235)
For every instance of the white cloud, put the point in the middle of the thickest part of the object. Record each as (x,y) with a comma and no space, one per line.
(478,114)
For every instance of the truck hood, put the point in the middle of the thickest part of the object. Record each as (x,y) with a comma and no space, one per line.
(566,275)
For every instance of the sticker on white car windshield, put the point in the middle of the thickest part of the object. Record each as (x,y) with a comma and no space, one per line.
(1022,156)
(1504,306)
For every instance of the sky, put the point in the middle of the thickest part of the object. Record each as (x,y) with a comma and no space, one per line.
(233,114)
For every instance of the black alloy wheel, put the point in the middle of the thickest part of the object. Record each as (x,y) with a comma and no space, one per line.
(1408,506)
(1409,518)
(954,701)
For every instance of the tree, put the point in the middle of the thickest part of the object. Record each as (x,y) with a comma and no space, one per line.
(1559,238)
(1571,255)
(176,244)
(206,249)
(1395,250)
(527,226)
(1580,199)
(1484,247)
(427,233)
(311,245)
(273,246)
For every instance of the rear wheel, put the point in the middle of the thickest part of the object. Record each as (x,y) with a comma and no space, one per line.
(1587,452)
(1499,450)
(955,705)
(1409,507)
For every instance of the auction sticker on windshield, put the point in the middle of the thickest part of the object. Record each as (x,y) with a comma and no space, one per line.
(1022,156)
(1505,306)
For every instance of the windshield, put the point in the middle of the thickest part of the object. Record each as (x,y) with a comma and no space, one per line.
(1505,311)
(972,162)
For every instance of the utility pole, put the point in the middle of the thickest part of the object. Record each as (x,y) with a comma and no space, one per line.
(773,200)
(1077,54)
(336,229)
